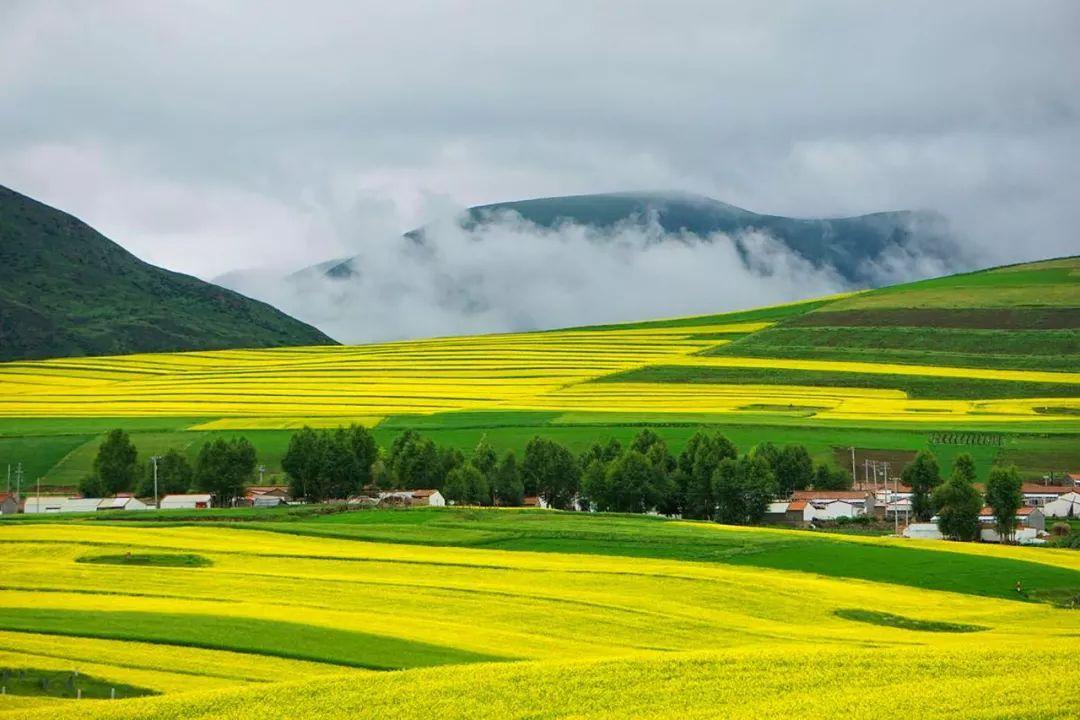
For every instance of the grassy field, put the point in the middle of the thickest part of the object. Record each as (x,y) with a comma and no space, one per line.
(515,613)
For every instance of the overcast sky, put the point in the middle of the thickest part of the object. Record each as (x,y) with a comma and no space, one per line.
(208,135)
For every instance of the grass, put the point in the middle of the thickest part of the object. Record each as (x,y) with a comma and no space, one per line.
(874,617)
(916,386)
(273,637)
(149,559)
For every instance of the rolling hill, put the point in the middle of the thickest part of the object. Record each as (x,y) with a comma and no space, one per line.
(66,290)
(850,245)
(985,362)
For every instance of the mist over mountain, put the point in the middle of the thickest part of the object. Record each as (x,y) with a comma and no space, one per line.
(550,262)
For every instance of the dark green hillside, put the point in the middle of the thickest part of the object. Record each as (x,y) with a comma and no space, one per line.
(846,244)
(66,290)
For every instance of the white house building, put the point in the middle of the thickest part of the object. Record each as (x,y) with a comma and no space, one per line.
(37,504)
(122,502)
(80,505)
(192,501)
(1067,505)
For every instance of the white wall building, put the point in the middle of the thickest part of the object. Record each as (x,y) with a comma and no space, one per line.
(193,501)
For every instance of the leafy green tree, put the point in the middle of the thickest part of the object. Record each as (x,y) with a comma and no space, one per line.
(224,467)
(595,491)
(508,488)
(116,464)
(793,468)
(632,484)
(766,451)
(695,473)
(958,502)
(551,471)
(1004,494)
(447,460)
(303,464)
(466,485)
(744,488)
(175,475)
(91,486)
(826,478)
(603,453)
(365,453)
(414,462)
(922,475)
(485,460)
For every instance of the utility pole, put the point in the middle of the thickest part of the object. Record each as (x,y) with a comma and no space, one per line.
(262,469)
(154,459)
(18,481)
(852,463)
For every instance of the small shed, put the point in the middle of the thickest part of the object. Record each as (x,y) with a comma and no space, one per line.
(837,509)
(434,498)
(9,504)
(1068,505)
(187,501)
(268,500)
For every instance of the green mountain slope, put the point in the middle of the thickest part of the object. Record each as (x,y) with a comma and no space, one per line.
(1015,317)
(66,290)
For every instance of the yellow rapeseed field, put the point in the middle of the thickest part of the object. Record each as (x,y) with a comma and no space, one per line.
(578,635)
(554,371)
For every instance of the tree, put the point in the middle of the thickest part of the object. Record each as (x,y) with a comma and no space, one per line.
(595,491)
(303,462)
(91,486)
(744,488)
(696,469)
(1004,494)
(551,471)
(485,460)
(116,464)
(224,467)
(365,453)
(603,453)
(447,459)
(634,484)
(508,489)
(922,476)
(414,462)
(794,469)
(174,474)
(466,485)
(825,478)
(958,502)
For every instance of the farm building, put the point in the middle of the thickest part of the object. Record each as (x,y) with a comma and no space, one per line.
(1037,494)
(122,502)
(9,504)
(923,531)
(195,501)
(838,509)
(268,500)
(432,498)
(37,504)
(253,493)
(833,504)
(1068,505)
(1026,517)
(80,505)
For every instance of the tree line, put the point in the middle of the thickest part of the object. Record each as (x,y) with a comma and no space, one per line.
(223,468)
(708,480)
(957,502)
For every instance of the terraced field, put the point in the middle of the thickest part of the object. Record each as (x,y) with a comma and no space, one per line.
(307,618)
(992,352)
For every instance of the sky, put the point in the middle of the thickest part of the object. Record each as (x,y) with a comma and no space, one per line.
(209,136)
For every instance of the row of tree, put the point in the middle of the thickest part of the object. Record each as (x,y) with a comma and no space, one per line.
(222,468)
(957,502)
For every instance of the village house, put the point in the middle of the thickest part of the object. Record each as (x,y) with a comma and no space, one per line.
(1030,523)
(80,505)
(835,504)
(187,501)
(9,504)
(432,498)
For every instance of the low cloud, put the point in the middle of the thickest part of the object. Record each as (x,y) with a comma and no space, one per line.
(511,275)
